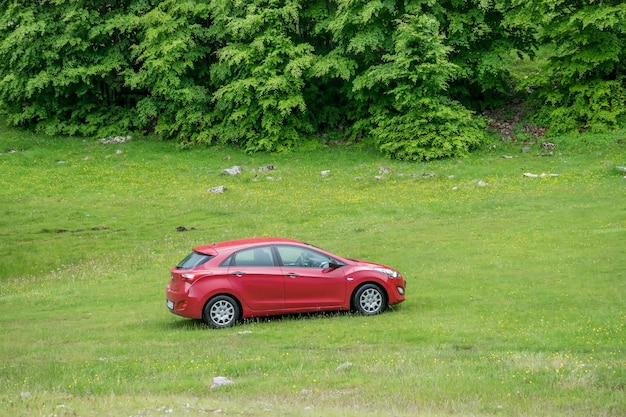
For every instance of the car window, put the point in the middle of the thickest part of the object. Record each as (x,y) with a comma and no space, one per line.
(261,256)
(193,260)
(302,257)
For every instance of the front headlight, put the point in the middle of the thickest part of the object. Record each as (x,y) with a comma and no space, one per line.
(389,272)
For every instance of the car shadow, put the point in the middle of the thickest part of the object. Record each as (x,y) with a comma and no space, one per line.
(187,324)
(196,324)
(297,316)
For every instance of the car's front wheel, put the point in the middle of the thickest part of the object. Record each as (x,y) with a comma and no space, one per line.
(221,311)
(369,300)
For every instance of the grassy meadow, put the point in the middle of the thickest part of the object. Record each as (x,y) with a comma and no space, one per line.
(516,297)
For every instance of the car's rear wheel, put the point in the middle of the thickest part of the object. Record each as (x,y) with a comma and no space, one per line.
(369,300)
(221,311)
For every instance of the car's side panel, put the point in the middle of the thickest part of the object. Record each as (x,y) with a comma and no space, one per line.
(261,288)
(313,289)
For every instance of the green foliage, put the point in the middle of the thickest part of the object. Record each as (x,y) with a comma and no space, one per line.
(63,64)
(411,117)
(260,76)
(583,86)
(429,130)
(171,65)
(595,105)
(482,35)
(266,75)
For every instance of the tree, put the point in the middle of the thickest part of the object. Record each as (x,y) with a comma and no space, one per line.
(482,38)
(63,63)
(260,75)
(264,75)
(171,67)
(401,74)
(584,86)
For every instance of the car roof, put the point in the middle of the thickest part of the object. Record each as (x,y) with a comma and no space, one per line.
(237,244)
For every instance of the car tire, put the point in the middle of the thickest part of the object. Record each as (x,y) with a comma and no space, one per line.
(369,300)
(221,311)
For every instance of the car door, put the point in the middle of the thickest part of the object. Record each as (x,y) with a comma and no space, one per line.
(258,279)
(309,282)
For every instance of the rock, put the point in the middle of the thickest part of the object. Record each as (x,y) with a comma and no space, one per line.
(343,366)
(325,172)
(219,381)
(507,120)
(235,170)
(266,168)
(219,189)
(542,175)
(115,139)
(384,170)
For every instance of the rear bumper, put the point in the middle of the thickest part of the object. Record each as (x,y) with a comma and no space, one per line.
(179,303)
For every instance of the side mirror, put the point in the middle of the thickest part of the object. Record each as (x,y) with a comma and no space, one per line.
(334,264)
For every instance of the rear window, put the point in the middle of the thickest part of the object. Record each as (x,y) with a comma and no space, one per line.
(193,260)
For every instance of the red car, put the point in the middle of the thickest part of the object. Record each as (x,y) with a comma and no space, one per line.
(224,282)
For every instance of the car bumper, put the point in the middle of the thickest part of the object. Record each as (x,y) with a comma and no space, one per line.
(179,303)
(399,292)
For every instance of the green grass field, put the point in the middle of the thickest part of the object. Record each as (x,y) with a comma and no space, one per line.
(516,301)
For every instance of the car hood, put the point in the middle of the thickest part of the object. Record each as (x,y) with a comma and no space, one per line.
(367,264)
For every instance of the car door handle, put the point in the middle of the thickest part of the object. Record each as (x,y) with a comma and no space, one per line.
(292,275)
(238,273)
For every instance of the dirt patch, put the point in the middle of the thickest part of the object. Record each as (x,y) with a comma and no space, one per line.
(92,229)
(510,123)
